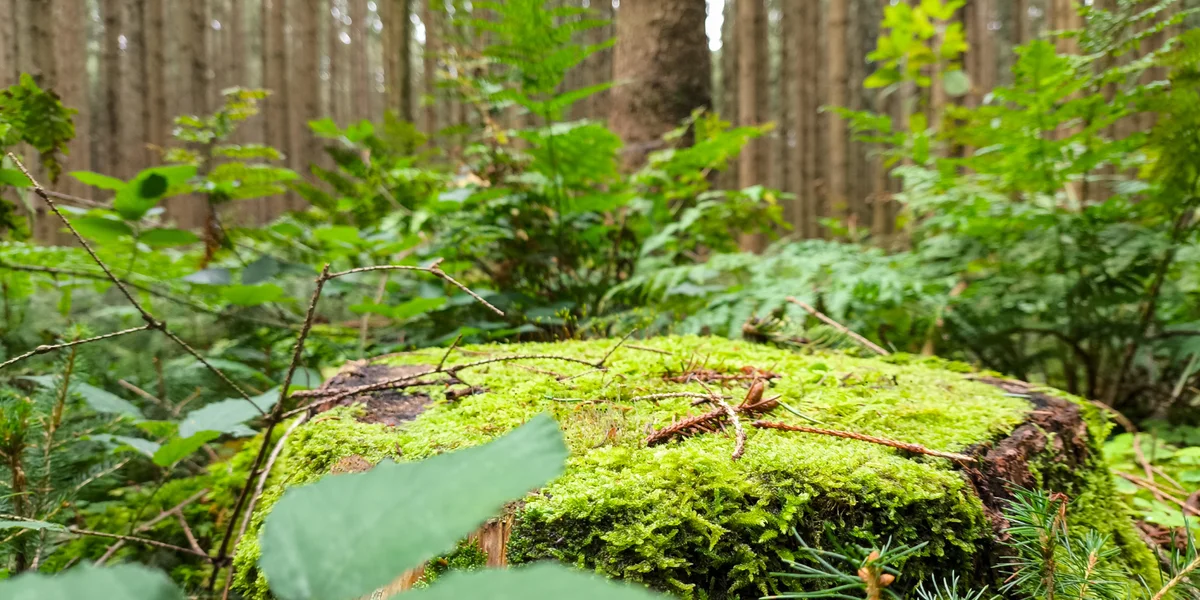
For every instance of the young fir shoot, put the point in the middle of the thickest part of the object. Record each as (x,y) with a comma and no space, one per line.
(850,572)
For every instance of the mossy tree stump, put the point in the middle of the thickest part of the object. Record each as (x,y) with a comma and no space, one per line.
(685,518)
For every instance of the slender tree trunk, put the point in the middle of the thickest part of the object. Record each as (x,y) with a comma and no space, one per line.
(836,127)
(276,109)
(780,107)
(810,101)
(305,78)
(110,13)
(751,21)
(600,65)
(794,15)
(8,42)
(1020,22)
(430,17)
(70,58)
(664,68)
(197,52)
(155,116)
(132,94)
(728,84)
(397,62)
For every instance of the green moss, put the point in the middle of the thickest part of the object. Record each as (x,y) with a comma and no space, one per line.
(683,517)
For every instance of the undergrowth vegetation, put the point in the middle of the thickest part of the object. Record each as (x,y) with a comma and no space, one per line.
(147,371)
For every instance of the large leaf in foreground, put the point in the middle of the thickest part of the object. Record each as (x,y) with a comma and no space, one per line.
(122,582)
(348,535)
(547,581)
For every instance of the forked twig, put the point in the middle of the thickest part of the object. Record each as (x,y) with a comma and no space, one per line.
(824,318)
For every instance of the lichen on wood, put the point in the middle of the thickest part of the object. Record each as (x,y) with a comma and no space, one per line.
(682,516)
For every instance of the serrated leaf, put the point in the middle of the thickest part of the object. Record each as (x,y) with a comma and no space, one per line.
(122,582)
(550,581)
(165,237)
(103,182)
(181,448)
(228,416)
(336,538)
(36,525)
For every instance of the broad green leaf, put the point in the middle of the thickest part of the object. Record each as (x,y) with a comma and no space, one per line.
(336,538)
(152,187)
(956,83)
(14,178)
(144,446)
(165,237)
(252,295)
(262,269)
(210,276)
(306,378)
(37,525)
(545,581)
(144,192)
(181,448)
(122,582)
(101,229)
(228,416)
(103,182)
(99,400)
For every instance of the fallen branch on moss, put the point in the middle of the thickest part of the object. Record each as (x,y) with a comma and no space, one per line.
(914,448)
(712,421)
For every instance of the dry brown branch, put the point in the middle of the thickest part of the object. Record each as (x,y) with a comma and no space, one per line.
(433,269)
(1158,492)
(647,349)
(174,510)
(47,348)
(739,446)
(711,421)
(841,328)
(914,448)
(115,536)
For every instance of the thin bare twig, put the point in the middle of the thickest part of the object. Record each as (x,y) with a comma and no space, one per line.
(648,349)
(739,432)
(600,363)
(47,348)
(442,363)
(1184,573)
(272,420)
(115,536)
(174,510)
(841,328)
(914,448)
(434,269)
(146,316)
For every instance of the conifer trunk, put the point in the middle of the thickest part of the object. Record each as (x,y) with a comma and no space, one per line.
(132,93)
(397,57)
(276,109)
(751,22)
(663,68)
(836,141)
(429,16)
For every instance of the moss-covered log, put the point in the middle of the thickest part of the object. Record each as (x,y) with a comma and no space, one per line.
(684,517)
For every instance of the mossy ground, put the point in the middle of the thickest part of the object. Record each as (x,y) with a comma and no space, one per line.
(683,517)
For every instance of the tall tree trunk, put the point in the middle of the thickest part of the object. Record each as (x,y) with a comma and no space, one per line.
(198,53)
(131,95)
(600,64)
(155,116)
(794,16)
(70,81)
(8,42)
(811,101)
(110,13)
(305,83)
(397,28)
(751,22)
(836,127)
(728,85)
(430,17)
(276,110)
(780,106)
(1021,27)
(664,71)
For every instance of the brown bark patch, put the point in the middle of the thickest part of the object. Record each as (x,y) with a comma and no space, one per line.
(389,407)
(1054,431)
